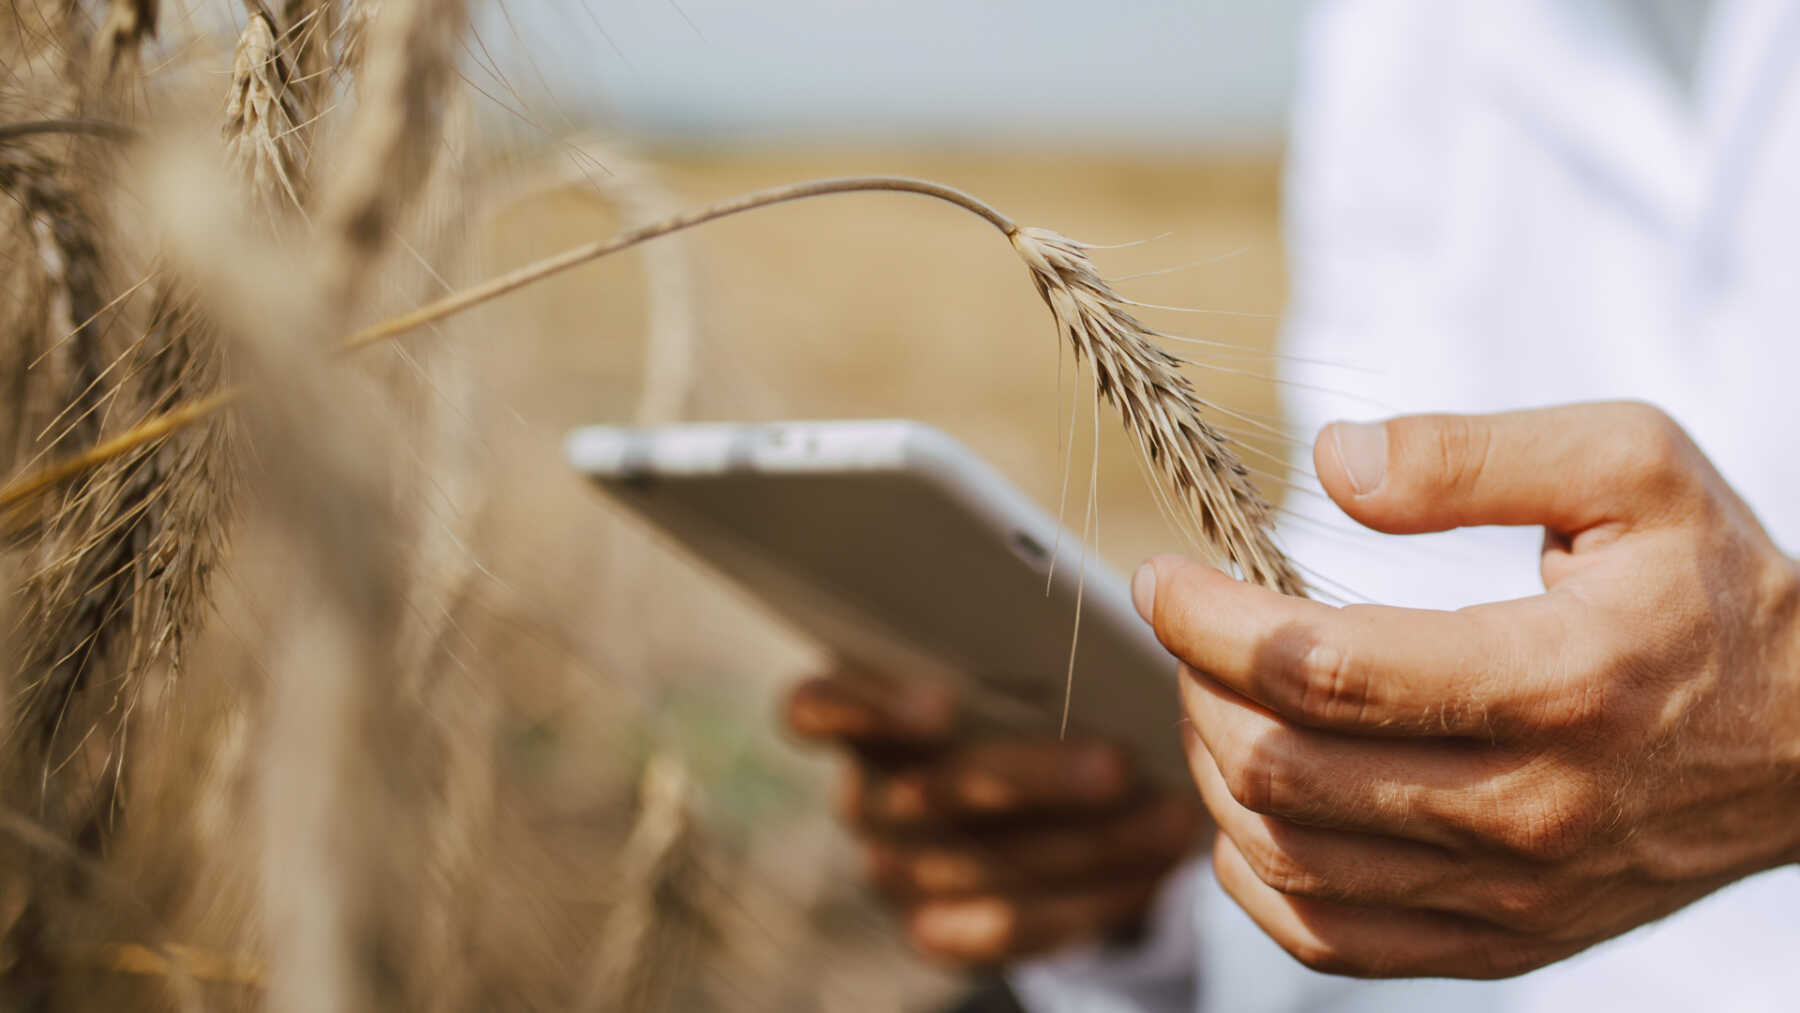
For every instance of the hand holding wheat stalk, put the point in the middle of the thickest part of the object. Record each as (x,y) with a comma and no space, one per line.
(1158,404)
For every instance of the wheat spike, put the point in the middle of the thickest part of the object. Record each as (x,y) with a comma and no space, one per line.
(117,564)
(264,116)
(74,619)
(76,592)
(1160,408)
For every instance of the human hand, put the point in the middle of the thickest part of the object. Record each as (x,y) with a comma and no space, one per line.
(1481,792)
(994,848)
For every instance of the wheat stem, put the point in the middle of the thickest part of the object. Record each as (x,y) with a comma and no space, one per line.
(531,273)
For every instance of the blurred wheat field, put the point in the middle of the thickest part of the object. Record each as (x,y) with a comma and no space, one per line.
(443,731)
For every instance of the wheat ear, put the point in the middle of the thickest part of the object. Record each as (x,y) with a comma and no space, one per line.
(1159,406)
(1162,411)
(265,116)
(79,570)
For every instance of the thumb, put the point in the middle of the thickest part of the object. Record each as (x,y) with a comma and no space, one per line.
(1568,468)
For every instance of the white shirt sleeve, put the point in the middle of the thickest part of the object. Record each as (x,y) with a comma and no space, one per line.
(1156,975)
(1202,954)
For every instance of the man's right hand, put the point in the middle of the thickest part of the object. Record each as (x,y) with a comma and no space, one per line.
(993,848)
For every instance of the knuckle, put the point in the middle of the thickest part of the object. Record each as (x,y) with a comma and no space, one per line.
(1320,685)
(1658,452)
(1260,781)
(1461,447)
(1248,780)
(1527,905)
(908,798)
(1668,864)
(1583,710)
(1279,871)
(1555,834)
(942,871)
(975,789)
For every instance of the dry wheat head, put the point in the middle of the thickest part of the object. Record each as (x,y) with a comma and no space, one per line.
(1160,407)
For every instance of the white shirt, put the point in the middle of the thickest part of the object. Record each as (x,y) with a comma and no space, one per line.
(1494,204)
(1675,29)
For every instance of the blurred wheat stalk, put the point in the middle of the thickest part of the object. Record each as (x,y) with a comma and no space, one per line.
(309,817)
(314,814)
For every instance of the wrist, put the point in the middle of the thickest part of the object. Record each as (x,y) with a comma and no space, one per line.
(1787,728)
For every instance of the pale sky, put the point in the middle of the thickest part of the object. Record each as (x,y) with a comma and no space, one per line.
(1160,73)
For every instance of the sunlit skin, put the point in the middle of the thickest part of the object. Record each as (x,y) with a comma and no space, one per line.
(992,848)
(1397,792)
(1481,792)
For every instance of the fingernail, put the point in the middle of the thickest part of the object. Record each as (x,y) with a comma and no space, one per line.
(1143,591)
(1362,449)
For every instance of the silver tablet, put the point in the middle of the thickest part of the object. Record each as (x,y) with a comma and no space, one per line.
(904,553)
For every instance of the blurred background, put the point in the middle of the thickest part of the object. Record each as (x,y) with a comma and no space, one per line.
(1194,77)
(1111,123)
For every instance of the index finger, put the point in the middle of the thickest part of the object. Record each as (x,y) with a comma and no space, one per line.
(1481,672)
(998,781)
(871,712)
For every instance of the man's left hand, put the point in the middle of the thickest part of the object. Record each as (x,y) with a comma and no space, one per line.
(1481,792)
